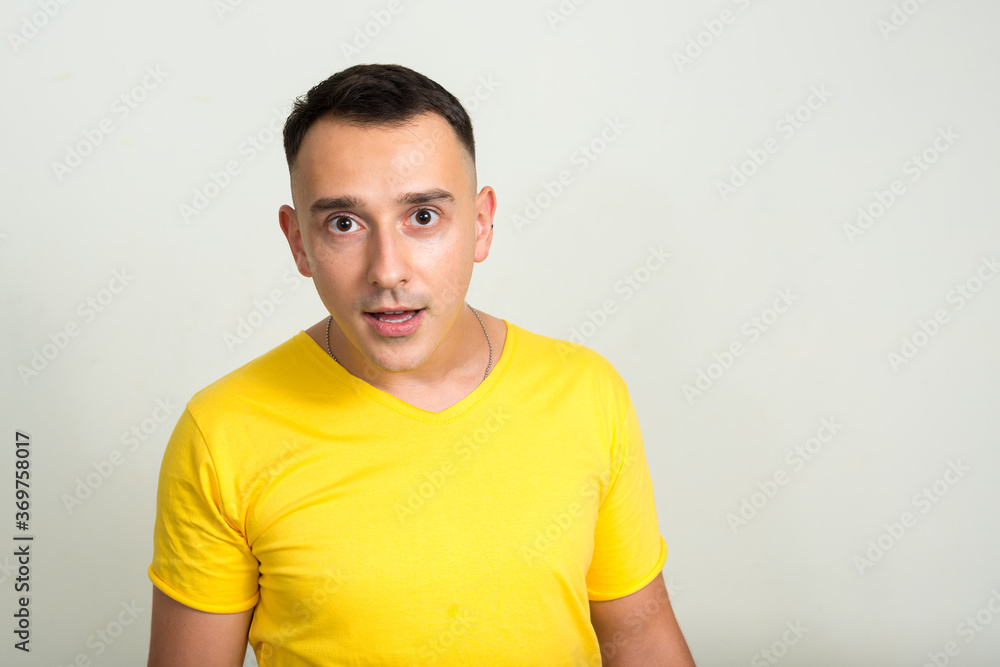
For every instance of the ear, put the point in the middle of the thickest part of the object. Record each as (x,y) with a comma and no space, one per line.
(486,206)
(290,226)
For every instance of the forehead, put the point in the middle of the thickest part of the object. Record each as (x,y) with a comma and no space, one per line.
(423,152)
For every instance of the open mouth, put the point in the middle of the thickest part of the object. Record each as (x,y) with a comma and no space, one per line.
(395,316)
(395,323)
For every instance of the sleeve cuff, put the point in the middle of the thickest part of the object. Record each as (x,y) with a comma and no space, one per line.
(641,583)
(173,593)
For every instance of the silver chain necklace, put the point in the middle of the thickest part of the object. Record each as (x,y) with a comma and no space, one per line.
(488,366)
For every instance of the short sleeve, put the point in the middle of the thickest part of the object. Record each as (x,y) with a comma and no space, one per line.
(200,556)
(628,548)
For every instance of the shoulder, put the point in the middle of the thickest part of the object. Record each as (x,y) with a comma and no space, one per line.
(558,358)
(237,425)
(556,351)
(276,373)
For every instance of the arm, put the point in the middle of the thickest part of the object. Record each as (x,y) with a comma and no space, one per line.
(186,637)
(640,629)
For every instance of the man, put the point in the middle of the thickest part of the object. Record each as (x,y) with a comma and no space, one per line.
(409,481)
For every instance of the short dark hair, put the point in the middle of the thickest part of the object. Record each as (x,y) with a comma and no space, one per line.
(387,95)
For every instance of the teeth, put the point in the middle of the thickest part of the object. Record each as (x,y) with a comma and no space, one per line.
(380,316)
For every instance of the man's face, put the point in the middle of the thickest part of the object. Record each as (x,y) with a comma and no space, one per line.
(385,219)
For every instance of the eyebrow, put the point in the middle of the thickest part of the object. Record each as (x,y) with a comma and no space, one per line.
(354,203)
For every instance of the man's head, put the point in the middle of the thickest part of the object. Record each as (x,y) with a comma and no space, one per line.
(386,215)
(377,95)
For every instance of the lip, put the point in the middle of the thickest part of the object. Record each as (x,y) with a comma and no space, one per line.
(395,329)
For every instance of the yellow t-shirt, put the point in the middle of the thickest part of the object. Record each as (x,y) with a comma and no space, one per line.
(370,532)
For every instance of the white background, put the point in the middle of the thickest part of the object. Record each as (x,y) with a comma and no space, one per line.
(553,86)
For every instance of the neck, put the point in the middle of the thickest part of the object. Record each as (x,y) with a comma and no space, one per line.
(459,360)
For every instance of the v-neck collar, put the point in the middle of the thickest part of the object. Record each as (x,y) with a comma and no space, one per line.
(335,370)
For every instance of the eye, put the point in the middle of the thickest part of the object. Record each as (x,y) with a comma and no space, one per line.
(424,217)
(341,223)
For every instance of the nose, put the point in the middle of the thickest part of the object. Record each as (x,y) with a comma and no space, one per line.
(388,258)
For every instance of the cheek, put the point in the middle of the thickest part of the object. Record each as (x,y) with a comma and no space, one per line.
(336,278)
(438,255)
(331,276)
(450,276)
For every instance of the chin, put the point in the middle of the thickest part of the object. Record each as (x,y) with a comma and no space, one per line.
(395,362)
